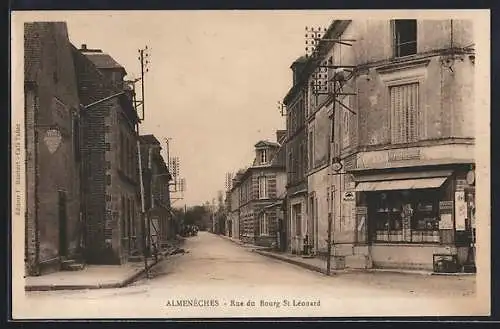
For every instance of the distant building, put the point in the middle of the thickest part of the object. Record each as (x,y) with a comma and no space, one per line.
(260,186)
(156,180)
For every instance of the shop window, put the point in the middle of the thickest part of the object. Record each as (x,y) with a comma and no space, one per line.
(404,113)
(405,37)
(405,216)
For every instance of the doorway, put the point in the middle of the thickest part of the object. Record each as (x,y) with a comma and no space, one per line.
(63,221)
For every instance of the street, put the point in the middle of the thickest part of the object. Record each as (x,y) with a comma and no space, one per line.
(217,269)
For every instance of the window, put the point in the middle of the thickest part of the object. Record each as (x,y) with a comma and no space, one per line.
(404,113)
(405,216)
(123,217)
(263,156)
(405,37)
(122,147)
(345,131)
(311,149)
(76,138)
(297,213)
(262,187)
(264,224)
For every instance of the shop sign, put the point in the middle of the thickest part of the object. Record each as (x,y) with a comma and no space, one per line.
(402,155)
(461,184)
(446,222)
(460,210)
(52,139)
(446,206)
(349,196)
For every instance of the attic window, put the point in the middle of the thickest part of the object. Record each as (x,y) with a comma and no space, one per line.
(263,156)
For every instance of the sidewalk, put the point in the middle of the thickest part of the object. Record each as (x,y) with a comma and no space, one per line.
(241,243)
(319,265)
(94,276)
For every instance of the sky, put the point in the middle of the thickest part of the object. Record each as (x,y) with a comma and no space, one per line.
(214,80)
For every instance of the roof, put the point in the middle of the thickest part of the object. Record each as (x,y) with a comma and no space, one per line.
(266,143)
(149,139)
(102,60)
(336,28)
(300,60)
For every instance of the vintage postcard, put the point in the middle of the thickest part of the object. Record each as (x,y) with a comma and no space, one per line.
(230,164)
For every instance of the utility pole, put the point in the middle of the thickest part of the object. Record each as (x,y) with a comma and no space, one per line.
(144,61)
(329,78)
(329,242)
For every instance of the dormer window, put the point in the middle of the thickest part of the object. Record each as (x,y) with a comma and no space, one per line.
(263,156)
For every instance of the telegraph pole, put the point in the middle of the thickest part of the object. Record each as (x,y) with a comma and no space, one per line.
(144,61)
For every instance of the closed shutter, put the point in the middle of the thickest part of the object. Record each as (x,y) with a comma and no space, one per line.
(404,113)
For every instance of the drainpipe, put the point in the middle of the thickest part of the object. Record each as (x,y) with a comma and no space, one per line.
(35,159)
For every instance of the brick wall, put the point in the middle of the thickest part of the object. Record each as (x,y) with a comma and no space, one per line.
(107,183)
(52,103)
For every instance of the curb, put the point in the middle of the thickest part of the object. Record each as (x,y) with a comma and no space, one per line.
(134,277)
(294,262)
(333,271)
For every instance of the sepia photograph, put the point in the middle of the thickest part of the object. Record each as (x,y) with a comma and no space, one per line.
(226,164)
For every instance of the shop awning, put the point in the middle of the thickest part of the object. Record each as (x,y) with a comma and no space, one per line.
(401,184)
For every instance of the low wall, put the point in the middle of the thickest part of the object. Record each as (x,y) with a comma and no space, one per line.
(406,256)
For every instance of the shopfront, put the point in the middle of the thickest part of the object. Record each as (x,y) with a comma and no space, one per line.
(413,216)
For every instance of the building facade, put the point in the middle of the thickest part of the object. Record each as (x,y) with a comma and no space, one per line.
(260,186)
(234,210)
(156,181)
(401,183)
(109,151)
(296,102)
(53,162)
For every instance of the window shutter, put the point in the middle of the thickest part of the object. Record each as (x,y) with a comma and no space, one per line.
(404,113)
(413,112)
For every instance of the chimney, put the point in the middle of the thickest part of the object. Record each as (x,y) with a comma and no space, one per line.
(280,135)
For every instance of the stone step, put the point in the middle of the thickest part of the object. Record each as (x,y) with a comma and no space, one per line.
(72,266)
(67,262)
(134,259)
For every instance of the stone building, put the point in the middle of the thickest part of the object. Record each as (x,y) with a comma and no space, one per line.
(109,152)
(156,180)
(234,205)
(401,186)
(53,162)
(262,185)
(296,102)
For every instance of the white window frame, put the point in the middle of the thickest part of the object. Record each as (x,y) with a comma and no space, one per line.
(264,224)
(263,156)
(263,193)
